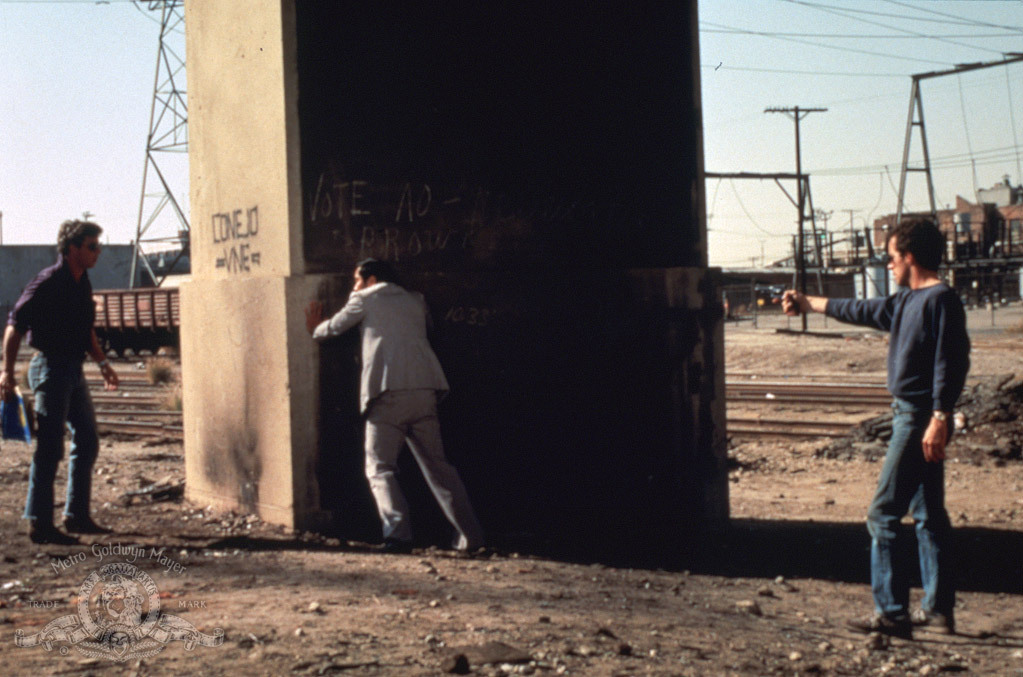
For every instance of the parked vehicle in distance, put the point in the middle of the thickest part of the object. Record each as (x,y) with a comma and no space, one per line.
(137,319)
(769,293)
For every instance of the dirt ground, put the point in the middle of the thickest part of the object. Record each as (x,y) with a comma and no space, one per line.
(768,596)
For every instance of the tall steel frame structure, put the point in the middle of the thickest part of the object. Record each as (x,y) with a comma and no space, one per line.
(168,134)
(915,120)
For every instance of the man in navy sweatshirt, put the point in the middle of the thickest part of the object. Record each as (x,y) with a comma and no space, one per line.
(928,359)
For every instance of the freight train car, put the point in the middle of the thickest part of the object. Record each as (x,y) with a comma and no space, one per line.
(137,319)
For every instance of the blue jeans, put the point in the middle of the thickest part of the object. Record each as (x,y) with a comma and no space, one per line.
(61,399)
(908,483)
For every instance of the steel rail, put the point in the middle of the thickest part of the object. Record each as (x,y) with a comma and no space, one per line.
(140,428)
(810,389)
(812,399)
(745,432)
(828,387)
(127,401)
(787,427)
(796,422)
(159,413)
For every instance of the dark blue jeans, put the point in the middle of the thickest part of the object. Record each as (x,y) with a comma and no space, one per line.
(61,400)
(908,483)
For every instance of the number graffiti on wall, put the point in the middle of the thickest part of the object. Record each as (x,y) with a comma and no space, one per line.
(472,316)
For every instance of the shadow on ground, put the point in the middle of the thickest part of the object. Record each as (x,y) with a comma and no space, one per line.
(841,552)
(986,559)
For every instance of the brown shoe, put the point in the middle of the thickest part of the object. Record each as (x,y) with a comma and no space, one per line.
(899,626)
(393,546)
(83,525)
(47,533)
(932,620)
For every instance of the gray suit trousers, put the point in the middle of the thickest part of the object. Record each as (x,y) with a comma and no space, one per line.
(399,416)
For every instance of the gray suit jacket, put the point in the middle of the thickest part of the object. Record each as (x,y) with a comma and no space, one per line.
(396,354)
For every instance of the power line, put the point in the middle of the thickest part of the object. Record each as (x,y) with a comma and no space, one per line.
(957,21)
(862,36)
(952,161)
(966,129)
(753,236)
(798,72)
(839,48)
(880,196)
(710,212)
(1012,122)
(746,211)
(843,13)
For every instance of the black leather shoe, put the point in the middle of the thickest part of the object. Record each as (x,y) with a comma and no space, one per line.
(83,525)
(893,627)
(50,534)
(394,547)
(932,620)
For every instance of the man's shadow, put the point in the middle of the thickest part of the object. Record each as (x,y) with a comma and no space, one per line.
(985,559)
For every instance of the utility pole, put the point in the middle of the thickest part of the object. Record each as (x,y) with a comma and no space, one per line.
(823,237)
(854,249)
(796,113)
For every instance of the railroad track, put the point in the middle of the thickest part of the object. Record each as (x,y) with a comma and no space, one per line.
(832,394)
(823,391)
(145,428)
(135,407)
(786,427)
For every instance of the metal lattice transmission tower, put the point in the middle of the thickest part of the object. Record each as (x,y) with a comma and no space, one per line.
(163,222)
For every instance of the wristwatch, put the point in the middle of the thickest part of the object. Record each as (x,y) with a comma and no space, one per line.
(940,415)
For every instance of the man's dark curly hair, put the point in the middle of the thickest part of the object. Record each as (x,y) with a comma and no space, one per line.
(74,232)
(382,270)
(921,237)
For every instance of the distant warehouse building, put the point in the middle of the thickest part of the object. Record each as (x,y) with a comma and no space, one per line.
(20,263)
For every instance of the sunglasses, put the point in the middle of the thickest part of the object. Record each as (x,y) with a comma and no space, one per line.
(93,246)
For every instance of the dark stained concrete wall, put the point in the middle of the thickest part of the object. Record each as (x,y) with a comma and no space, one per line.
(534,134)
(534,169)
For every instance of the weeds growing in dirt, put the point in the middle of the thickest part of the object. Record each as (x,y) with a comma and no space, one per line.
(159,370)
(172,401)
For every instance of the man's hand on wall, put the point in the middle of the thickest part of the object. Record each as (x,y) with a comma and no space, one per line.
(313,315)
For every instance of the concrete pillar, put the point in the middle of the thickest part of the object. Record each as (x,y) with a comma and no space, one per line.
(536,171)
(248,366)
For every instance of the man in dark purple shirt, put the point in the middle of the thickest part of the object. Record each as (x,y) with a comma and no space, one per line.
(56,313)
(928,359)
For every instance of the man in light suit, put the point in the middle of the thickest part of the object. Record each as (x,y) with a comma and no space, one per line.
(401,382)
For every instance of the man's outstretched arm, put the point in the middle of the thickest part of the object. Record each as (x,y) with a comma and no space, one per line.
(795,303)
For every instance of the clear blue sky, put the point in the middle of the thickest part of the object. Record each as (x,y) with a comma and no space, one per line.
(76,86)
